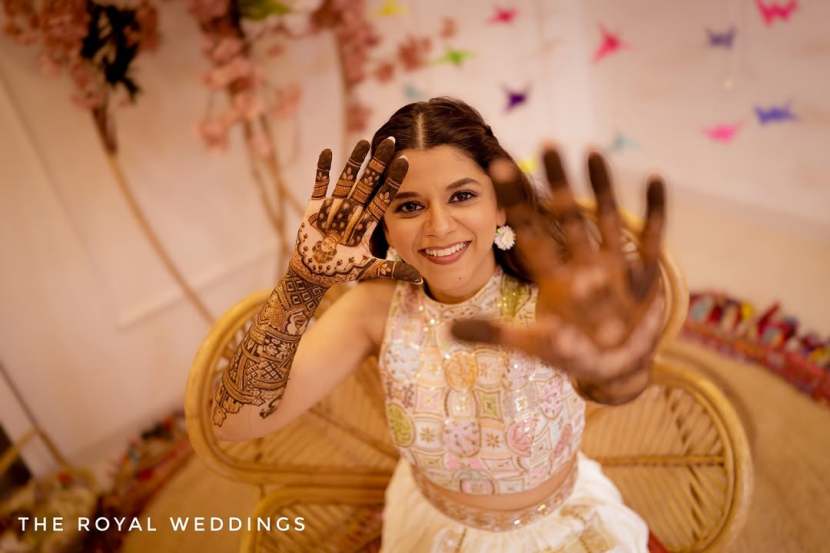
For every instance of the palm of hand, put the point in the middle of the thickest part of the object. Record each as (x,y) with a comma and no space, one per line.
(598,314)
(333,239)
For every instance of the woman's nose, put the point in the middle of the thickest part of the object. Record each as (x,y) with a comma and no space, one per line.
(439,221)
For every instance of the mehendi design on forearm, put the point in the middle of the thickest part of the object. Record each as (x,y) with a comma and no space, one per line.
(258,373)
(331,248)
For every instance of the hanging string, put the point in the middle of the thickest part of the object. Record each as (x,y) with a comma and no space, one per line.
(736,16)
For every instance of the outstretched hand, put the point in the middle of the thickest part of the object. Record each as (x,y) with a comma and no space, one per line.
(598,314)
(333,239)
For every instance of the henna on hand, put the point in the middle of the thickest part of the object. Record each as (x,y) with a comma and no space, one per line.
(258,372)
(332,247)
(598,314)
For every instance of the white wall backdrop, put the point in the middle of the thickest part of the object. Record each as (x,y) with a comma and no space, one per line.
(99,339)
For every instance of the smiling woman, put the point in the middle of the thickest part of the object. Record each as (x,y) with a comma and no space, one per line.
(443,221)
(483,348)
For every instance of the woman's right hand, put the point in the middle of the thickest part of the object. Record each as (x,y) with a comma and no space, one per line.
(333,239)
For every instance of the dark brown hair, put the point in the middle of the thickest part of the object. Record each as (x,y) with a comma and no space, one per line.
(439,121)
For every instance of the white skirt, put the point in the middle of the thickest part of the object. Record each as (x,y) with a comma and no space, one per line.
(592,520)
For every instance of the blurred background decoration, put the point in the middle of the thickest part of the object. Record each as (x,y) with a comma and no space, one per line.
(156,157)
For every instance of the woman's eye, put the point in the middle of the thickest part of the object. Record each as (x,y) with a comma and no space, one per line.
(463,195)
(407,207)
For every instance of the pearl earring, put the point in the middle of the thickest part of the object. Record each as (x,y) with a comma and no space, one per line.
(505,237)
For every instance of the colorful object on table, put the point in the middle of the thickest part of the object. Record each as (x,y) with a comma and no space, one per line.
(771,339)
(148,464)
(619,143)
(503,15)
(774,114)
(610,44)
(391,8)
(66,494)
(516,98)
(455,57)
(723,133)
(722,39)
(770,11)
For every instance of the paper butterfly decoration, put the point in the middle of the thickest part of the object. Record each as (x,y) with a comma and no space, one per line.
(516,98)
(610,43)
(528,165)
(723,133)
(774,114)
(770,11)
(455,57)
(391,8)
(503,15)
(413,93)
(723,39)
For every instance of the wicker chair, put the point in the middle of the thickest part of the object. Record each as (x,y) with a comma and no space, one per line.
(678,453)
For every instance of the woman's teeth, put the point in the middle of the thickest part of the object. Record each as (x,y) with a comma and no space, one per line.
(446,251)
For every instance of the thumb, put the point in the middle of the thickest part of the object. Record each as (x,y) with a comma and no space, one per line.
(391,270)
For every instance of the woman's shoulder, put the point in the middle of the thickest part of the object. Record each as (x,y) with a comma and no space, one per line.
(372,299)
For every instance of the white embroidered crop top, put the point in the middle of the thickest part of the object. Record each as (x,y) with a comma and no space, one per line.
(475,418)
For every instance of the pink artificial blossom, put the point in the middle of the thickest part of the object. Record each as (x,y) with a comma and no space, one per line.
(225,49)
(287,101)
(412,53)
(385,72)
(215,134)
(357,116)
(230,117)
(248,105)
(206,10)
(219,77)
(60,27)
(275,50)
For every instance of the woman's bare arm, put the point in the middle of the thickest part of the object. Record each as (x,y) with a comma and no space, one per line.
(334,346)
(332,248)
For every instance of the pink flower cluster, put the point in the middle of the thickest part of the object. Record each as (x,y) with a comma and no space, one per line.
(355,39)
(412,52)
(235,73)
(60,27)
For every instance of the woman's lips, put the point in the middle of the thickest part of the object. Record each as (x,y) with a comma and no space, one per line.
(445,259)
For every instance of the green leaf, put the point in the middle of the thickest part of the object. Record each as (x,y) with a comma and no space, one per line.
(261,9)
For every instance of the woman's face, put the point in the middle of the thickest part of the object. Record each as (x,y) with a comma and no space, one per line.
(443,221)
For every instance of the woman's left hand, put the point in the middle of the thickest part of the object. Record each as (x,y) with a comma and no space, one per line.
(598,315)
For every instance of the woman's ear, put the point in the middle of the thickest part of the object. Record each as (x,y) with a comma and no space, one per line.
(501,216)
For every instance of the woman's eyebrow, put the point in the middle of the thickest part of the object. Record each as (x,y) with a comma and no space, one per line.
(461,182)
(452,186)
(405,195)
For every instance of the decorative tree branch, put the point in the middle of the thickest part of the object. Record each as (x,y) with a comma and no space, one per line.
(97,44)
(230,49)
